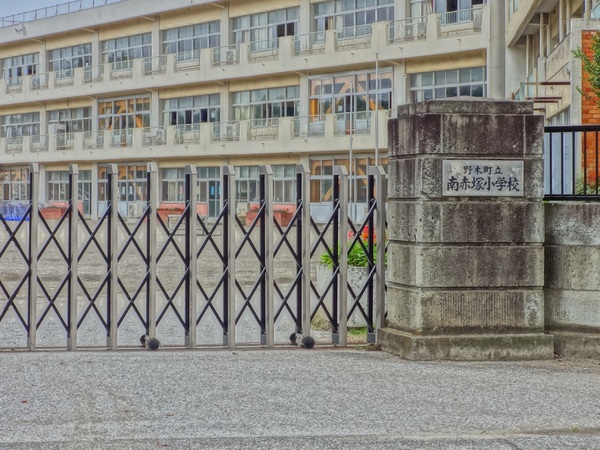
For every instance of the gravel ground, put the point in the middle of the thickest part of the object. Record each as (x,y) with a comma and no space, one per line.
(284,399)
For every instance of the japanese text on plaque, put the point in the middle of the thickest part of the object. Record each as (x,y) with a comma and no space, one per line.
(483,178)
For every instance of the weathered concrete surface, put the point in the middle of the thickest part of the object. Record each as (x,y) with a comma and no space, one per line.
(572,273)
(465,274)
(292,399)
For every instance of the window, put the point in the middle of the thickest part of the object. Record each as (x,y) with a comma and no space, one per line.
(192,110)
(17,66)
(350,13)
(419,8)
(187,41)
(172,185)
(62,61)
(124,114)
(448,83)
(246,184)
(14,184)
(132,189)
(266,103)
(263,30)
(70,120)
(284,183)
(209,189)
(209,179)
(353,92)
(17,125)
(57,186)
(321,178)
(85,190)
(120,52)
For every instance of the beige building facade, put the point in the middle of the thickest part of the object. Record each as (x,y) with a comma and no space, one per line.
(541,36)
(240,82)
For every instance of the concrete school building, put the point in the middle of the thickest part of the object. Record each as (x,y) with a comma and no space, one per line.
(249,82)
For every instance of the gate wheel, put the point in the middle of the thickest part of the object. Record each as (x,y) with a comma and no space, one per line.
(150,343)
(308,342)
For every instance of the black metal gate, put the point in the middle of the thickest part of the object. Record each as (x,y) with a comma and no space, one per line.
(188,280)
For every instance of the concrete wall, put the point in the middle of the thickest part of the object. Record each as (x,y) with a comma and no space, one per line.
(465,274)
(572,274)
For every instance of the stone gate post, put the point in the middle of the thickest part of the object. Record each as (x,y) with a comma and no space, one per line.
(466,230)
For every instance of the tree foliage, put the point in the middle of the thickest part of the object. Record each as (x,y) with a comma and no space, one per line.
(591,66)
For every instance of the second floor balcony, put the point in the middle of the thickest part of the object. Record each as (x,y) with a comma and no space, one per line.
(328,132)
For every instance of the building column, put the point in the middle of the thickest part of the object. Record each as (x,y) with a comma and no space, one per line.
(226,113)
(561,20)
(587,11)
(155,110)
(304,26)
(225,33)
(465,270)
(156,41)
(496,54)
(400,95)
(43,58)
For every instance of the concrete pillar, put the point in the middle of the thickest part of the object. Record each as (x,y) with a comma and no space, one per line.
(400,94)
(496,54)
(304,26)
(466,260)
(587,11)
(561,20)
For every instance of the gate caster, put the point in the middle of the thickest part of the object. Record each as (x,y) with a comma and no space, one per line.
(149,343)
(302,341)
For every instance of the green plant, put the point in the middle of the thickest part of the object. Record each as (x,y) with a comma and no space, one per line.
(591,66)
(588,187)
(357,254)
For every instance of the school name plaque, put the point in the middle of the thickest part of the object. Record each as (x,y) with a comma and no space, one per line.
(471,178)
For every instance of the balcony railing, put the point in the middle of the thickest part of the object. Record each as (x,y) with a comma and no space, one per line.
(408,29)
(225,131)
(121,138)
(353,123)
(310,43)
(187,60)
(64,141)
(64,77)
(93,140)
(308,126)
(464,20)
(52,11)
(156,65)
(263,129)
(354,37)
(40,143)
(39,81)
(202,136)
(14,84)
(188,134)
(224,56)
(122,69)
(264,50)
(14,144)
(154,136)
(93,74)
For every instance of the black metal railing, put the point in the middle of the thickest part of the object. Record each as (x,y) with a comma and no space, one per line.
(572,162)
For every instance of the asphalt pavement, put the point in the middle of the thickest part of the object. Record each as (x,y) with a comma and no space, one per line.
(292,399)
